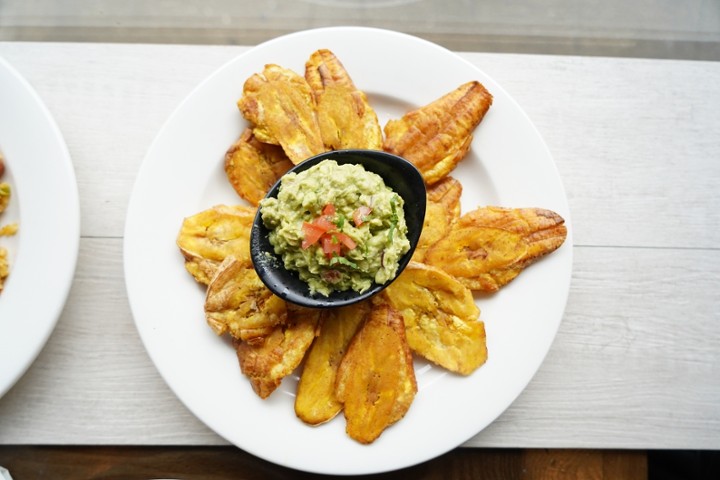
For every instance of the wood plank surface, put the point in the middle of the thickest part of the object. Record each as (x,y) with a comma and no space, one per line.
(642,28)
(226,463)
(635,363)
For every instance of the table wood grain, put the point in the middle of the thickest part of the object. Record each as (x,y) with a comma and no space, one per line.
(228,463)
(635,364)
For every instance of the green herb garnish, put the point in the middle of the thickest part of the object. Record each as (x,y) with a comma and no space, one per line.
(343,261)
(393,219)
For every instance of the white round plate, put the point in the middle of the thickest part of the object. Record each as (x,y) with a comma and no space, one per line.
(44,202)
(182,174)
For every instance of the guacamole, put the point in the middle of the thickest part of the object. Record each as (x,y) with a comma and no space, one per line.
(338,226)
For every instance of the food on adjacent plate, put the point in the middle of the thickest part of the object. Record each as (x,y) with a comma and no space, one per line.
(4,267)
(253,167)
(488,247)
(9,230)
(441,319)
(344,114)
(5,230)
(441,211)
(339,226)
(315,402)
(207,238)
(356,359)
(238,303)
(280,352)
(4,196)
(282,110)
(4,187)
(376,379)
(437,136)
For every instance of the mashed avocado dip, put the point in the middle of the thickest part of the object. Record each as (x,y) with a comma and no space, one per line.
(339,226)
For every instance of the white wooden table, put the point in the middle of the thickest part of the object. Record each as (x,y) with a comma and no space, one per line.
(636,362)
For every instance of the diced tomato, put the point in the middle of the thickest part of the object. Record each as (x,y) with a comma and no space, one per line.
(312,232)
(323,230)
(329,210)
(346,240)
(324,223)
(360,215)
(331,246)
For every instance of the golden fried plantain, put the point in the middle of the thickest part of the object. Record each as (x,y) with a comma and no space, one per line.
(443,208)
(4,267)
(441,318)
(488,247)
(345,117)
(437,136)
(237,302)
(267,362)
(315,402)
(376,379)
(253,167)
(206,238)
(5,192)
(281,107)
(9,230)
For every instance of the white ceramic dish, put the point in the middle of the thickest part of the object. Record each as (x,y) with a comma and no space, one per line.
(45,203)
(182,174)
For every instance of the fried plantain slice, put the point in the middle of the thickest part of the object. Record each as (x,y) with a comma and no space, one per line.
(5,192)
(4,267)
(376,380)
(238,303)
(9,230)
(281,106)
(488,247)
(442,210)
(441,318)
(315,402)
(253,167)
(437,136)
(345,116)
(266,363)
(207,238)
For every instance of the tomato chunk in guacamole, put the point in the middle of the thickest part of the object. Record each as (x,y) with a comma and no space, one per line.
(338,226)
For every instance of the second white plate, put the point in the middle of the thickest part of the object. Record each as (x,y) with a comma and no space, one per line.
(45,203)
